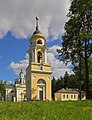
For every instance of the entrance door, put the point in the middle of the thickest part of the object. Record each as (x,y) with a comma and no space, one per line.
(41,95)
(12,98)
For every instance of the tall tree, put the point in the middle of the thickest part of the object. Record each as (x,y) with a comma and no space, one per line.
(77,40)
(2,87)
(53,87)
(77,72)
(66,79)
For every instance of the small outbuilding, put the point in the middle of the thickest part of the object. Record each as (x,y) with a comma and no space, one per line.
(69,94)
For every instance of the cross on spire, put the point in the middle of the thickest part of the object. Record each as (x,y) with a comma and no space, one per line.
(37,19)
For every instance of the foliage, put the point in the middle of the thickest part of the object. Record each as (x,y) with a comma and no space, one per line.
(2,87)
(41,110)
(53,87)
(69,81)
(77,40)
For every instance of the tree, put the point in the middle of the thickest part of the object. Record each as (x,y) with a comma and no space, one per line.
(53,87)
(2,87)
(77,40)
(77,72)
(56,85)
(66,79)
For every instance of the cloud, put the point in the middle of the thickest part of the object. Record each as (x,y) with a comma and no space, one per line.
(58,67)
(18,16)
(53,49)
(17,66)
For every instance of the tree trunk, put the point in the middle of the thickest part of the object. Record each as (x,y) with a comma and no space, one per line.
(80,75)
(86,72)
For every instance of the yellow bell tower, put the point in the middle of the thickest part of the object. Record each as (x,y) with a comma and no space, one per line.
(38,73)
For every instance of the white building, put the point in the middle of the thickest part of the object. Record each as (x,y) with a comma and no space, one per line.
(16,92)
(69,94)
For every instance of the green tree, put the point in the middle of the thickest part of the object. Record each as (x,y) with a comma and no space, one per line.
(70,81)
(2,87)
(77,72)
(73,81)
(66,79)
(77,40)
(53,87)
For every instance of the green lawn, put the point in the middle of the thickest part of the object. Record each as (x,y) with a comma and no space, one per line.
(42,110)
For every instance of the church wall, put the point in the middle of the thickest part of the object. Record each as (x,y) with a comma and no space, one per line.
(19,91)
(34,87)
(37,66)
(28,83)
(8,95)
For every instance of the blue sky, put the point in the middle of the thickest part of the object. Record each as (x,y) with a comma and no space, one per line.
(17,23)
(11,49)
(14,50)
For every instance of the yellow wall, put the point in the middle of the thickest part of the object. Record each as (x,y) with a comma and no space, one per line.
(34,72)
(36,66)
(34,87)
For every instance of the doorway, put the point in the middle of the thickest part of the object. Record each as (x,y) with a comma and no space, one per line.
(40,95)
(41,89)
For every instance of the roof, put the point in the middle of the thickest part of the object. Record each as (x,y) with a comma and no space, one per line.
(69,90)
(37,32)
(9,86)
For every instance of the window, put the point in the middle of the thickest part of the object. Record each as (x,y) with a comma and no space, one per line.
(82,96)
(39,56)
(63,96)
(67,96)
(78,96)
(41,81)
(41,67)
(71,96)
(74,96)
(20,81)
(39,42)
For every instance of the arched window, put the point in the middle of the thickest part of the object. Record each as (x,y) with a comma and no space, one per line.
(39,42)
(41,81)
(39,56)
(20,80)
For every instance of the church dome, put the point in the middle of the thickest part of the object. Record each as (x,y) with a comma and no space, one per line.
(37,32)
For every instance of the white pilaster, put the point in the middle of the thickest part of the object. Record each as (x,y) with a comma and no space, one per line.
(45,57)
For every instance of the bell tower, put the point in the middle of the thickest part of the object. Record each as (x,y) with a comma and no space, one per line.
(38,73)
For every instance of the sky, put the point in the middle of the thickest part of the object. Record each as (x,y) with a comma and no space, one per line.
(17,24)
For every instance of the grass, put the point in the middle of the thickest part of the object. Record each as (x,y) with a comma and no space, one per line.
(42,110)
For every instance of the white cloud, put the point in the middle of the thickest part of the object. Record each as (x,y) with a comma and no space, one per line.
(16,67)
(58,67)
(53,49)
(18,16)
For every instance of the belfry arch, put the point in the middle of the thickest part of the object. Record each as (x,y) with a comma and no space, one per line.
(39,57)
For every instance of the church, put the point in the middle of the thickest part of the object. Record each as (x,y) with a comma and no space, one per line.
(38,83)
(38,72)
(16,92)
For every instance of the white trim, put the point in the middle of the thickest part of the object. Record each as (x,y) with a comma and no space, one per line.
(45,57)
